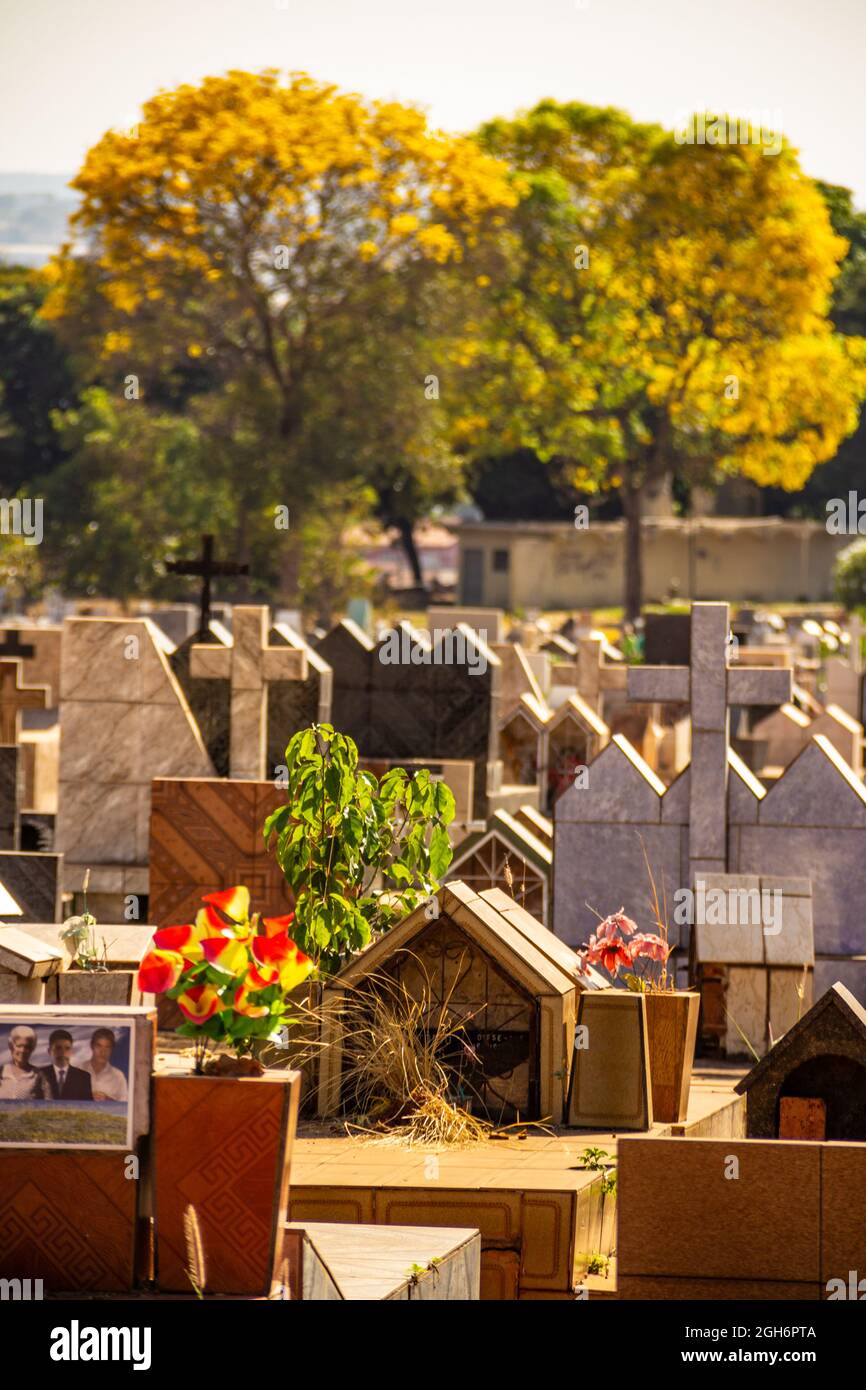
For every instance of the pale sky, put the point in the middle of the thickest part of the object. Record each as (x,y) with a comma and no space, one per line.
(69,69)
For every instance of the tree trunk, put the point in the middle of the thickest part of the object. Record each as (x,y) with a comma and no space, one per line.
(242,554)
(290,569)
(407,540)
(631,501)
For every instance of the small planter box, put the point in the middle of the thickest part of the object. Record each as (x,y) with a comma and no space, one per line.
(107,987)
(222,1145)
(672,1029)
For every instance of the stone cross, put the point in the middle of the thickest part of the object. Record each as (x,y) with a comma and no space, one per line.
(711,687)
(248,664)
(14,697)
(13,646)
(207,568)
(595,675)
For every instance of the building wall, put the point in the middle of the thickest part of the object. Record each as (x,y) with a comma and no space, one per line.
(552,565)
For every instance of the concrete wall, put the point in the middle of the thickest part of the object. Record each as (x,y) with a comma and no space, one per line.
(552,565)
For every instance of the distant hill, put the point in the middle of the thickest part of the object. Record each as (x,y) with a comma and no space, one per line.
(34,211)
(38,183)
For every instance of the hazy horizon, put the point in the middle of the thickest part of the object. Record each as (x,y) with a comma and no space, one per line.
(71,73)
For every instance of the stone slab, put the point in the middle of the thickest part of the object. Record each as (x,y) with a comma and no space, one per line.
(843,1211)
(376,1263)
(11,787)
(609,1084)
(26,955)
(720,1227)
(34,882)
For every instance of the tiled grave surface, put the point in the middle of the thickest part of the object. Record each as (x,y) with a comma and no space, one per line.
(538,1212)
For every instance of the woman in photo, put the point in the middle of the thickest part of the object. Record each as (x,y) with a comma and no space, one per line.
(107,1081)
(18,1080)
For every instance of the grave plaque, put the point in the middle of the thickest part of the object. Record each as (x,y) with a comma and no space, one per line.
(610,1085)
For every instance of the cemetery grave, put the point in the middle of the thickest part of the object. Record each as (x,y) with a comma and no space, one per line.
(339,1216)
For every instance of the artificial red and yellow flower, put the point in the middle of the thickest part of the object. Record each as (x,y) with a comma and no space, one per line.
(233,902)
(200,1003)
(224,953)
(187,940)
(241,1004)
(278,960)
(275,926)
(160,970)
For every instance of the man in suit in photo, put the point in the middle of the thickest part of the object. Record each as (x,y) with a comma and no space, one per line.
(65,1081)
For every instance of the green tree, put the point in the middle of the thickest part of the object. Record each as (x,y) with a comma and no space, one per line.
(343,835)
(35,380)
(846,470)
(260,226)
(667,308)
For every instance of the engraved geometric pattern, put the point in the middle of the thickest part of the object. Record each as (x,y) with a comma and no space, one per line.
(232,1182)
(68,1219)
(206,834)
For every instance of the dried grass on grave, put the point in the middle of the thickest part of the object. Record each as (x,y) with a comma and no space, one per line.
(402,1060)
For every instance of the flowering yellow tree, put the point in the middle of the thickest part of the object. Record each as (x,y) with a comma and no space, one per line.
(667,308)
(249,233)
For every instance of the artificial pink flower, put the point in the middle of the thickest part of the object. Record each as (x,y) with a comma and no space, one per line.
(652,946)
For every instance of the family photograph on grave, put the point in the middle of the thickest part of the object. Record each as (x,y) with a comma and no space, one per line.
(66,1082)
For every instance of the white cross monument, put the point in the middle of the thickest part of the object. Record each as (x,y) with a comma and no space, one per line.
(248,664)
(711,687)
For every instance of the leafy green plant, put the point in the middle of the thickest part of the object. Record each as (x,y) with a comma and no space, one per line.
(416,1272)
(596,1160)
(357,852)
(598,1264)
(849,575)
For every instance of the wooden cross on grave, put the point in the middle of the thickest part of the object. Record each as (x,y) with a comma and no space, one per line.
(207,567)
(595,675)
(248,664)
(13,646)
(14,697)
(710,687)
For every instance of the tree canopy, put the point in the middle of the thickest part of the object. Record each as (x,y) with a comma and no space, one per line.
(667,307)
